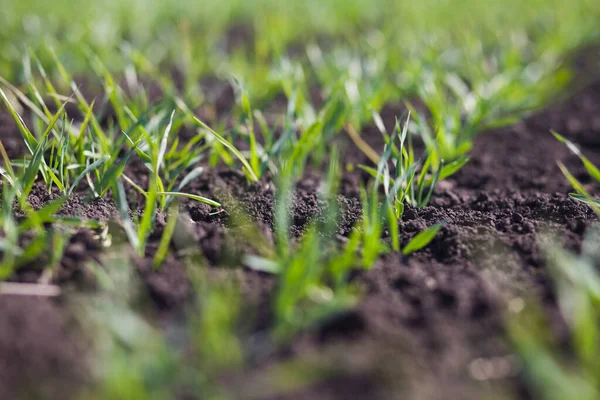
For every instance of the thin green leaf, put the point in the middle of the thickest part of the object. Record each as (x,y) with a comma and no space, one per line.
(165,240)
(125,219)
(193,174)
(10,173)
(30,140)
(191,196)
(422,239)
(573,181)
(393,226)
(28,179)
(586,200)
(92,167)
(451,168)
(231,148)
(574,149)
(163,143)
(261,264)
(113,173)
(148,216)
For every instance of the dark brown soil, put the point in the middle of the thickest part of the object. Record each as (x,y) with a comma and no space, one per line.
(441,311)
(84,244)
(429,326)
(42,355)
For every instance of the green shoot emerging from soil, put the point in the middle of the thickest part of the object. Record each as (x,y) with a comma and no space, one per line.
(411,180)
(582,194)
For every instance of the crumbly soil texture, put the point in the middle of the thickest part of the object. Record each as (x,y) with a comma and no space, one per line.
(427,326)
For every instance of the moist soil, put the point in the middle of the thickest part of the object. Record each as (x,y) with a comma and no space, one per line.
(428,326)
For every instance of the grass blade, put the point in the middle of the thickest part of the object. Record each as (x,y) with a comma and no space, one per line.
(28,179)
(163,144)
(114,172)
(261,264)
(30,140)
(92,167)
(10,173)
(191,196)
(422,239)
(165,240)
(393,225)
(450,169)
(231,148)
(125,218)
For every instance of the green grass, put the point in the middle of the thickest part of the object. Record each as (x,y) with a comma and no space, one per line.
(582,194)
(459,68)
